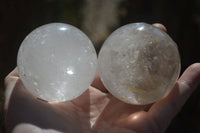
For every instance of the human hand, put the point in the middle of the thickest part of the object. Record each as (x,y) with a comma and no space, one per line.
(95,111)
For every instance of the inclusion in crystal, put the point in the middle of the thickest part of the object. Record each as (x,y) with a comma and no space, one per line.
(57,62)
(139,63)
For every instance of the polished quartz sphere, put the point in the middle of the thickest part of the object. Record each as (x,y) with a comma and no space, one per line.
(139,63)
(57,62)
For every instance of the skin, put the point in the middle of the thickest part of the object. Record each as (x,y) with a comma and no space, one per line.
(95,111)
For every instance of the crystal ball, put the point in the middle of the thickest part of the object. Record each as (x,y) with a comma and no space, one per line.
(139,63)
(57,62)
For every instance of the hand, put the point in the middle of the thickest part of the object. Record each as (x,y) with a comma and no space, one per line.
(95,110)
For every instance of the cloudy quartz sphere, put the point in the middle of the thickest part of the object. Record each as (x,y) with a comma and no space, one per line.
(139,63)
(57,62)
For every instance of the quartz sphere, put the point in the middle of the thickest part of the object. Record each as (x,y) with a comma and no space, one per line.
(57,62)
(139,63)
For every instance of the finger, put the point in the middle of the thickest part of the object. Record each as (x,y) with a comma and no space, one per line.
(9,89)
(31,128)
(164,110)
(160,26)
(13,74)
(9,83)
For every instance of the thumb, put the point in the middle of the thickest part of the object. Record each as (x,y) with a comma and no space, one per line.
(10,82)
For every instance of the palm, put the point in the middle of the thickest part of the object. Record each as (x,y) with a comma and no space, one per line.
(97,111)
(94,111)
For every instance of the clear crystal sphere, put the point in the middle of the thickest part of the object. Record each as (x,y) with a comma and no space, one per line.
(139,63)
(57,62)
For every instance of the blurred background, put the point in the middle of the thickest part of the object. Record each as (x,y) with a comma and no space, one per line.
(98,18)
